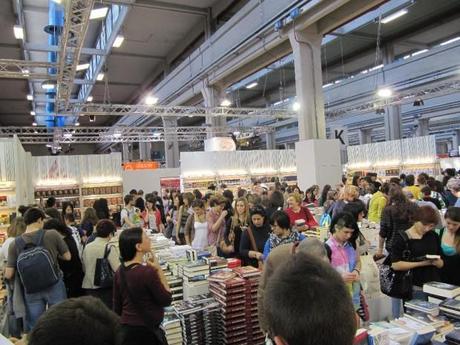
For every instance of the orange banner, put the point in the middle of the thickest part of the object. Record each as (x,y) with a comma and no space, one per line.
(141,165)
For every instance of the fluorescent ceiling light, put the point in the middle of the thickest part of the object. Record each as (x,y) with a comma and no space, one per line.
(30,97)
(67,135)
(89,99)
(327,85)
(18,32)
(156,134)
(118,41)
(34,124)
(100,76)
(98,13)
(151,100)
(406,57)
(77,123)
(420,52)
(296,106)
(117,135)
(375,68)
(225,103)
(455,39)
(384,93)
(250,86)
(394,16)
(82,67)
(32,113)
(49,84)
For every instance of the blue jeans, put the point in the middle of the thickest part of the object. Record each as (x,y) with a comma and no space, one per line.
(396,306)
(37,303)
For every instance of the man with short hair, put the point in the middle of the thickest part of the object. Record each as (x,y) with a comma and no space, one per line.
(454,186)
(307,303)
(52,241)
(410,187)
(140,202)
(129,216)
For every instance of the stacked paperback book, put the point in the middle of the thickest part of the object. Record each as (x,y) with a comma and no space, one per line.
(172,327)
(236,292)
(195,276)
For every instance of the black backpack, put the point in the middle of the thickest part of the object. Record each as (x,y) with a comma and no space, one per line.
(35,264)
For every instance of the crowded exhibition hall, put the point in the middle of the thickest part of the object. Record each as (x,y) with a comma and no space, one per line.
(229,172)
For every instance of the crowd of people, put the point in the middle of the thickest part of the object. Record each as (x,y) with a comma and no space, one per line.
(108,257)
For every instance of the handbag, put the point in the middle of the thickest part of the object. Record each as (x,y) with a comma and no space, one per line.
(156,329)
(230,247)
(397,284)
(254,246)
(103,274)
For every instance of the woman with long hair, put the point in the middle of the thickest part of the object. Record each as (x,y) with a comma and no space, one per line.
(152,216)
(311,195)
(196,229)
(234,228)
(101,207)
(450,245)
(88,223)
(67,208)
(323,197)
(253,239)
(183,213)
(141,291)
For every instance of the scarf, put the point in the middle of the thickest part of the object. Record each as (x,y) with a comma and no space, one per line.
(275,241)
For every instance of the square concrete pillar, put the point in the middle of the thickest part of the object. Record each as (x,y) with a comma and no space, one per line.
(318,162)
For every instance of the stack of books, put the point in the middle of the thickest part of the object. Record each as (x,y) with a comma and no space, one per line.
(453,338)
(160,242)
(195,271)
(172,327)
(387,333)
(212,318)
(236,292)
(422,334)
(423,306)
(451,308)
(216,263)
(437,291)
(175,284)
(233,263)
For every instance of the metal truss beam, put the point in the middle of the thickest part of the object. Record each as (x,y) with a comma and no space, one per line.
(43,135)
(22,69)
(76,24)
(441,88)
(167,111)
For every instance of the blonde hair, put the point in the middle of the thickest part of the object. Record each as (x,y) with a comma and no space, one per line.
(296,196)
(235,218)
(16,228)
(350,192)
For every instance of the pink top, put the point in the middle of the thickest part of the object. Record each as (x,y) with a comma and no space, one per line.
(211,218)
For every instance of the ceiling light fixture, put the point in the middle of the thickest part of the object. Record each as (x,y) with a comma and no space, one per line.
(92,118)
(49,84)
(151,100)
(18,32)
(100,76)
(394,16)
(34,124)
(225,103)
(384,93)
(420,52)
(296,106)
(82,67)
(455,39)
(98,13)
(67,135)
(77,123)
(118,41)
(30,97)
(32,113)
(89,99)
(252,85)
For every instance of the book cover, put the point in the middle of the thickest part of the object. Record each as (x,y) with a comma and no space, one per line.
(222,276)
(453,304)
(441,289)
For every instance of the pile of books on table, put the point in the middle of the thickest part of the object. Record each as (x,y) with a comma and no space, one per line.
(172,327)
(216,263)
(236,292)
(195,276)
(160,242)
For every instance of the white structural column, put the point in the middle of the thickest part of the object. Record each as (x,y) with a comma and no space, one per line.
(306,47)
(270,141)
(125,152)
(456,140)
(144,151)
(393,125)
(171,143)
(213,96)
(423,127)
(365,136)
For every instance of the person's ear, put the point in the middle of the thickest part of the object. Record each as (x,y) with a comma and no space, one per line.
(280,341)
(139,246)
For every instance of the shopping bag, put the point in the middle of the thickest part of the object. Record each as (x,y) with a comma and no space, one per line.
(325,220)
(369,275)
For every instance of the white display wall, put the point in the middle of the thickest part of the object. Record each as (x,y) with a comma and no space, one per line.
(147,180)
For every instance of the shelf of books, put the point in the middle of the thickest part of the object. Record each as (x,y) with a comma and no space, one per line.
(7,207)
(113,192)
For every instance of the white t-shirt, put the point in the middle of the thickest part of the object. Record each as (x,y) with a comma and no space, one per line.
(4,250)
(132,216)
(200,241)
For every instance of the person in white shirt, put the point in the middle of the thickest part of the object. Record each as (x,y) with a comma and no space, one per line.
(130,215)
(16,228)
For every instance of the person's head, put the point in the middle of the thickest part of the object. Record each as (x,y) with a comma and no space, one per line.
(425,219)
(241,207)
(320,314)
(178,201)
(16,228)
(197,194)
(280,223)
(395,180)
(258,216)
(90,216)
(332,195)
(410,180)
(426,191)
(22,209)
(105,228)
(69,219)
(454,186)
(402,177)
(150,203)
(34,216)
(342,226)
(355,180)
(212,187)
(296,189)
(198,207)
(140,193)
(438,186)
(452,218)
(217,203)
(132,242)
(421,180)
(294,200)
(350,192)
(397,196)
(325,190)
(385,189)
(67,208)
(85,320)
(51,202)
(277,199)
(228,194)
(254,200)
(53,213)
(129,199)
(56,224)
(313,246)
(188,199)
(102,208)
(133,192)
(242,192)
(356,208)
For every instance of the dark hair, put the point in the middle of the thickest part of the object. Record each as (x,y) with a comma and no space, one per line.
(217,200)
(105,228)
(33,215)
(281,218)
(140,192)
(23,209)
(212,187)
(355,180)
(85,320)
(410,180)
(343,220)
(208,196)
(151,199)
(128,198)
(198,203)
(241,193)
(102,208)
(133,192)
(66,204)
(426,191)
(421,179)
(56,224)
(320,314)
(385,189)
(127,242)
(402,177)
(276,199)
(197,193)
(53,213)
(228,194)
(324,192)
(426,215)
(69,217)
(51,201)
(403,207)
(257,210)
(355,208)
(395,180)
(453,213)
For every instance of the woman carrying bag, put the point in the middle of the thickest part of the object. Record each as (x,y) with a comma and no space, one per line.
(229,246)
(254,238)
(141,291)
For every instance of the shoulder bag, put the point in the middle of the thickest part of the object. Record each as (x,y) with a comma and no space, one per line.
(103,274)
(254,246)
(228,248)
(149,324)
(397,284)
